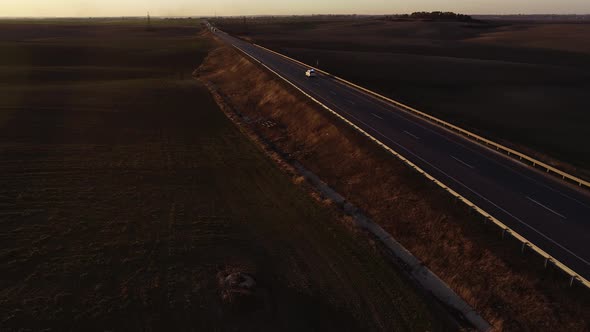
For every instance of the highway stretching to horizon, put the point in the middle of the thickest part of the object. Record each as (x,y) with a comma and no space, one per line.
(552,214)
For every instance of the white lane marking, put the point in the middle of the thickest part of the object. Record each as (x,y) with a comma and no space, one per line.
(377,116)
(332,92)
(316,83)
(390,107)
(460,183)
(461,161)
(409,133)
(468,188)
(351,102)
(547,208)
(481,154)
(450,177)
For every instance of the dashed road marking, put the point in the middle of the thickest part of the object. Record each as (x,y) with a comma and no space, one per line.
(377,116)
(410,134)
(462,162)
(547,208)
(423,160)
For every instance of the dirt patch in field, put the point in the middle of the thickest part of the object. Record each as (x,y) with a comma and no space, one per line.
(510,290)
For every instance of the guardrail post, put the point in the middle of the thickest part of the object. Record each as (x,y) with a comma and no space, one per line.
(504,228)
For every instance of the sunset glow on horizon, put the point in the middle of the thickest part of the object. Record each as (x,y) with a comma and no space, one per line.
(84,8)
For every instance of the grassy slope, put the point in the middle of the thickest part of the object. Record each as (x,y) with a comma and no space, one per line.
(125,192)
(510,289)
(532,98)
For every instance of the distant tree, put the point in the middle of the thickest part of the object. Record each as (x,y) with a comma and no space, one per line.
(441,16)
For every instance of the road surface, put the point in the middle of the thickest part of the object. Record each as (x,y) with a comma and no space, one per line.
(552,214)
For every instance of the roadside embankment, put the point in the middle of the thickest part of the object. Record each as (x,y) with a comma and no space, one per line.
(510,289)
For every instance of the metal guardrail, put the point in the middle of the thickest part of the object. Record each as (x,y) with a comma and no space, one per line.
(505,229)
(511,152)
(422,274)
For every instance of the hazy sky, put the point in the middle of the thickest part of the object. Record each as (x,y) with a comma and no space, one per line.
(249,7)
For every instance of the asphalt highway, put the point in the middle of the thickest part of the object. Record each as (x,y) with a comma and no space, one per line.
(552,214)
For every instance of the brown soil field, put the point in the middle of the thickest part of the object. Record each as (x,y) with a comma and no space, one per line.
(510,289)
(564,37)
(128,201)
(522,85)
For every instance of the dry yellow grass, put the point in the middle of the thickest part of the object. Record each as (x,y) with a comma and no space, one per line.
(508,289)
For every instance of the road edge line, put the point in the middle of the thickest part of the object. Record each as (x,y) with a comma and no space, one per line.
(428,279)
(574,275)
(475,137)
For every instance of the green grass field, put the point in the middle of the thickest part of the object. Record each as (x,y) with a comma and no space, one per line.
(127,196)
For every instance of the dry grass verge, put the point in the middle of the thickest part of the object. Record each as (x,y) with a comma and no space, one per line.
(510,290)
(533,77)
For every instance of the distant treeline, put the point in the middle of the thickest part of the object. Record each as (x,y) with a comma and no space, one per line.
(434,16)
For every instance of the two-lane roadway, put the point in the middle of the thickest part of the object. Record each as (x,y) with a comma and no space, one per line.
(552,214)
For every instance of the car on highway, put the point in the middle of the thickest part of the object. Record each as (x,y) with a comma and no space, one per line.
(310,73)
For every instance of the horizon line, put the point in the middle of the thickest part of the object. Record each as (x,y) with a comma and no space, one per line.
(269,15)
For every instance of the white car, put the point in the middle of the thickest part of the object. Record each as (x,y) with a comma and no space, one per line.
(310,73)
